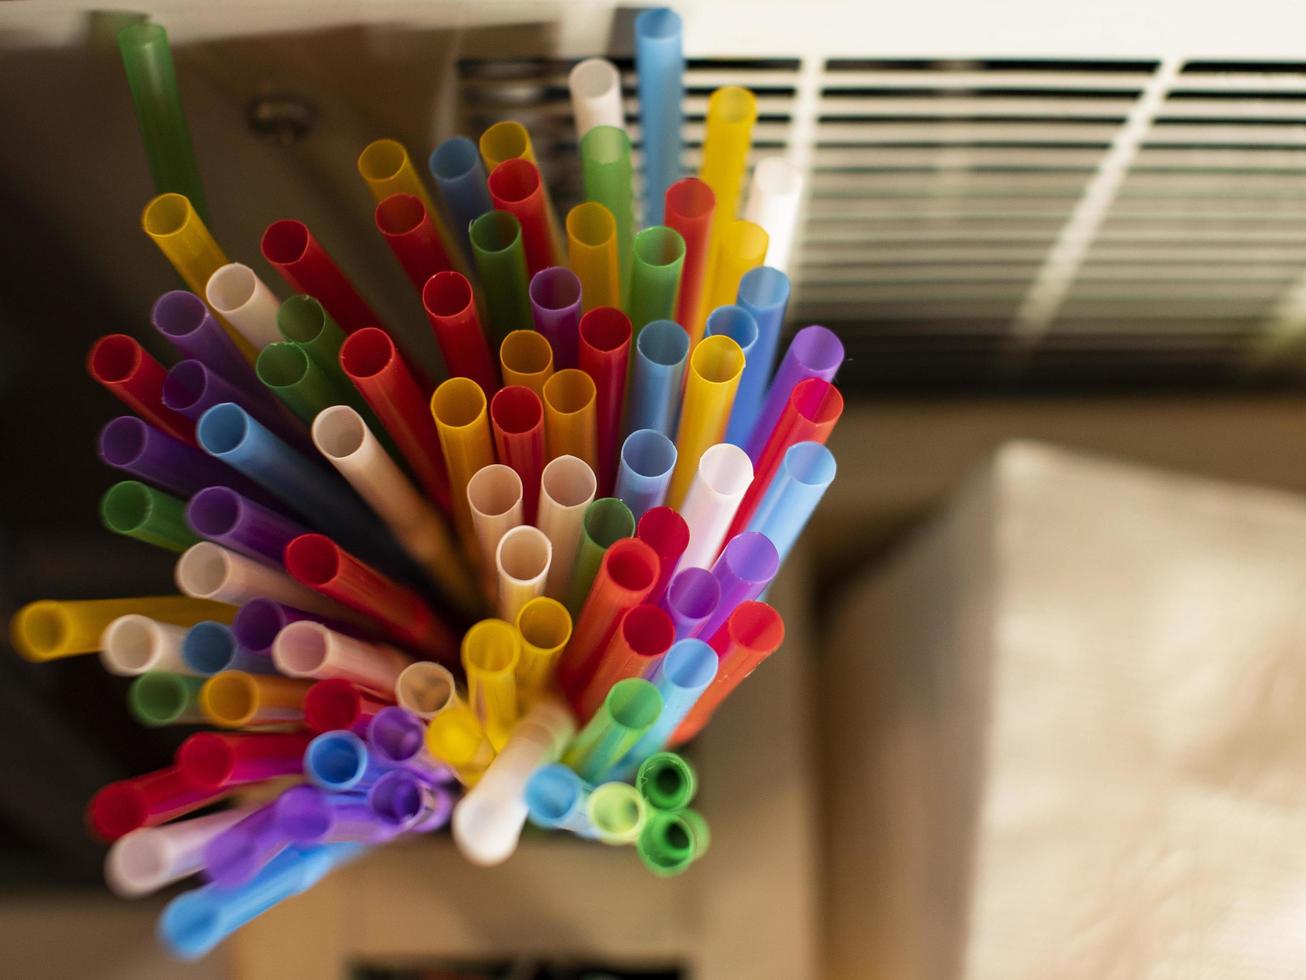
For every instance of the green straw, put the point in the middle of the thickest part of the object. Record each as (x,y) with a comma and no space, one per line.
(659,255)
(304,323)
(501,264)
(153,82)
(667,781)
(616,812)
(629,710)
(607,520)
(297,380)
(670,842)
(160,697)
(143,513)
(605,163)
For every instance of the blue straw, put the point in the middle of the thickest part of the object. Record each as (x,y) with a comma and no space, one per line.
(209,648)
(339,761)
(804,475)
(660,66)
(681,678)
(460,178)
(737,323)
(555,800)
(763,292)
(647,459)
(659,368)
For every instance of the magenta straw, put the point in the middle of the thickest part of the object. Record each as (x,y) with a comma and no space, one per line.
(184,319)
(690,599)
(555,302)
(744,569)
(222,515)
(260,620)
(815,352)
(136,447)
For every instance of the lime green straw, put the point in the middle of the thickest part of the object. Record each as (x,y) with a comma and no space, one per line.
(659,255)
(143,513)
(670,842)
(667,781)
(152,79)
(160,697)
(627,713)
(297,380)
(617,813)
(607,520)
(501,265)
(605,163)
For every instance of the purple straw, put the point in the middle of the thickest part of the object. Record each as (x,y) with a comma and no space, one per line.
(235,855)
(222,515)
(744,569)
(130,444)
(690,599)
(397,737)
(191,388)
(185,320)
(353,819)
(555,300)
(815,352)
(403,800)
(260,620)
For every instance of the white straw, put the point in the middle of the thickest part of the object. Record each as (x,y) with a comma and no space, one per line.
(595,86)
(494,494)
(522,562)
(246,302)
(724,474)
(308,649)
(567,487)
(773,201)
(425,689)
(146,860)
(133,644)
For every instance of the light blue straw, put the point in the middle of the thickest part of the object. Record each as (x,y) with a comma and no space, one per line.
(659,368)
(763,292)
(644,474)
(660,67)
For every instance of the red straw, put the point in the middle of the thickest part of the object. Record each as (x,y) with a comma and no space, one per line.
(689,207)
(665,531)
(407,228)
(213,760)
(136,379)
(515,187)
(517,420)
(145,801)
(372,362)
(604,355)
(451,307)
(644,634)
(626,574)
(752,633)
(814,406)
(293,251)
(336,703)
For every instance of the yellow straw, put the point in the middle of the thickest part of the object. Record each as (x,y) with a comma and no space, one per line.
(570,417)
(458,406)
(235,699)
(592,254)
(710,386)
(545,627)
(526,359)
(52,628)
(505,141)
(456,738)
(742,247)
(491,650)
(386,168)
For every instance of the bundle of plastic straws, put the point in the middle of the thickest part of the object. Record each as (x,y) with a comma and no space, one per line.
(508,596)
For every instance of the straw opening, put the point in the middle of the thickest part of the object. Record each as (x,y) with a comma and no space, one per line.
(751,556)
(694,593)
(605,329)
(203,570)
(339,432)
(396,735)
(524,553)
(454,158)
(616,809)
(569,482)
(138,862)
(648,631)
(399,214)
(223,428)
(594,78)
(459,402)
(332,704)
(526,352)
(178,313)
(516,409)
(382,160)
(649,453)
(167,214)
(810,463)
(425,688)
(231,287)
(734,322)
(591,224)
(158,698)
(495,231)
(127,506)
(336,759)
(118,809)
(514,180)
(282,365)
(313,559)
(690,664)
(756,626)
(184,385)
(192,923)
(717,360)
(607,521)
(214,511)
(455,737)
(367,352)
(494,490)
(397,797)
(665,530)
(732,105)
(115,358)
(817,400)
(544,623)
(633,569)
(764,287)
(285,242)
(661,24)
(690,198)
(555,288)
(726,469)
(491,646)
(659,246)
(818,349)
(301,319)
(130,641)
(447,294)
(569,391)
(504,141)
(302,648)
(553,793)
(206,759)
(605,145)
(230,698)
(664,342)
(208,648)
(122,440)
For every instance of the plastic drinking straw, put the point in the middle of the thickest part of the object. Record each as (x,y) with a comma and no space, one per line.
(490,651)
(135,378)
(804,475)
(738,324)
(555,294)
(773,200)
(133,644)
(309,649)
(225,517)
(146,860)
(245,301)
(666,532)
(147,59)
(660,69)
(304,322)
(387,170)
(461,420)
(191,388)
(131,508)
(555,800)
(289,373)
(606,521)
(319,563)
(815,352)
(488,821)
(643,635)
(397,737)
(617,813)
(626,575)
(460,178)
(408,228)
(339,761)
(713,377)
(450,305)
(681,678)
(371,361)
(403,800)
(49,629)
(665,779)
(658,257)
(145,801)
(690,598)
(342,436)
(336,704)
(753,632)
(813,408)
(629,710)
(516,187)
(236,699)
(647,459)
(670,842)
(195,922)
(746,567)
(731,112)
(235,855)
(209,571)
(260,620)
(724,476)
(595,86)
(567,488)
(570,416)
(526,359)
(545,627)
(741,246)
(690,205)
(185,321)
(425,689)
(605,164)
(605,356)
(301,260)
(501,265)
(456,738)
(522,561)
(220,759)
(592,254)
(163,697)
(505,140)
(764,293)
(494,496)
(210,648)
(131,445)
(517,422)
(661,354)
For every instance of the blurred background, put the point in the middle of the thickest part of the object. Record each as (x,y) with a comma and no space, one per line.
(1083,227)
